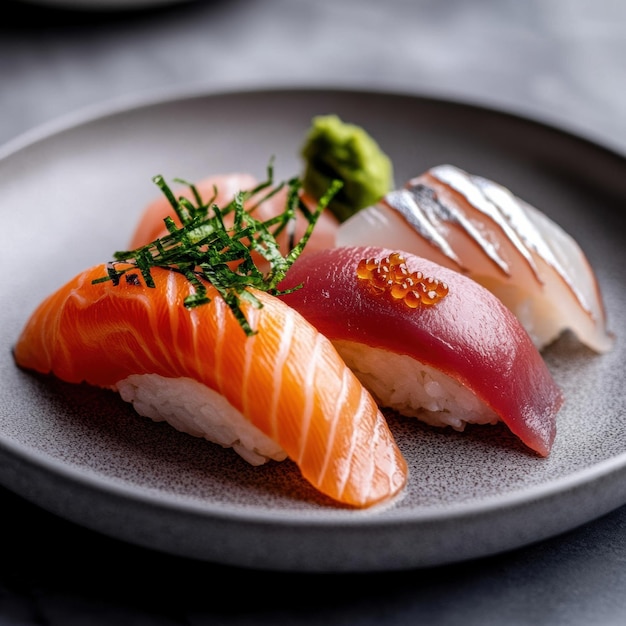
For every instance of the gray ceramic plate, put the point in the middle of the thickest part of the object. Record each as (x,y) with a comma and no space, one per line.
(71,195)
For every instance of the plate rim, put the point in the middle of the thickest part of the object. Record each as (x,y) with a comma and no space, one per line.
(135,101)
(483,505)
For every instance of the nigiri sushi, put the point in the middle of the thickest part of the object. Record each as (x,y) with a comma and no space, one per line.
(480,228)
(264,205)
(219,189)
(281,391)
(427,341)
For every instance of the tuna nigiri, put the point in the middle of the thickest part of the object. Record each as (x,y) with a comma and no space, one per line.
(282,391)
(480,228)
(428,341)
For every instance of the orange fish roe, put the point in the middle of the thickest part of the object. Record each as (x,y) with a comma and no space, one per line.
(391,276)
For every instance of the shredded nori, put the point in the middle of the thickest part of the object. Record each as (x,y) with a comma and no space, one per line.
(203,246)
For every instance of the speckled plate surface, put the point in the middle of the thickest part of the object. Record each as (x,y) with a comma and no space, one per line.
(70,196)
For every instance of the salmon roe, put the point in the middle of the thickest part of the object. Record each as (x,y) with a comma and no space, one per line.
(390,276)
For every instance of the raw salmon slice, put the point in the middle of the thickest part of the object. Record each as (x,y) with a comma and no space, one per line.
(285,389)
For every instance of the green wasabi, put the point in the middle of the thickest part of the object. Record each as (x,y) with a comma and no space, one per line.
(334,150)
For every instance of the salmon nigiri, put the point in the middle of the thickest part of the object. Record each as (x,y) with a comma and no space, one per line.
(280,391)
(264,205)
(480,228)
(428,341)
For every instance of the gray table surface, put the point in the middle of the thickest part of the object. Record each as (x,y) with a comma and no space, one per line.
(560,61)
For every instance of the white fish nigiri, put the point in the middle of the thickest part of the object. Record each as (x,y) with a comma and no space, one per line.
(480,228)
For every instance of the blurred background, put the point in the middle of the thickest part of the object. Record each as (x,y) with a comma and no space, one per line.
(563,61)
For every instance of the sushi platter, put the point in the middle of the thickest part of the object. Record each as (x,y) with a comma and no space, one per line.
(72,194)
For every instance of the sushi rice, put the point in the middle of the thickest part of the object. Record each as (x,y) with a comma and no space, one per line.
(415,389)
(197,410)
